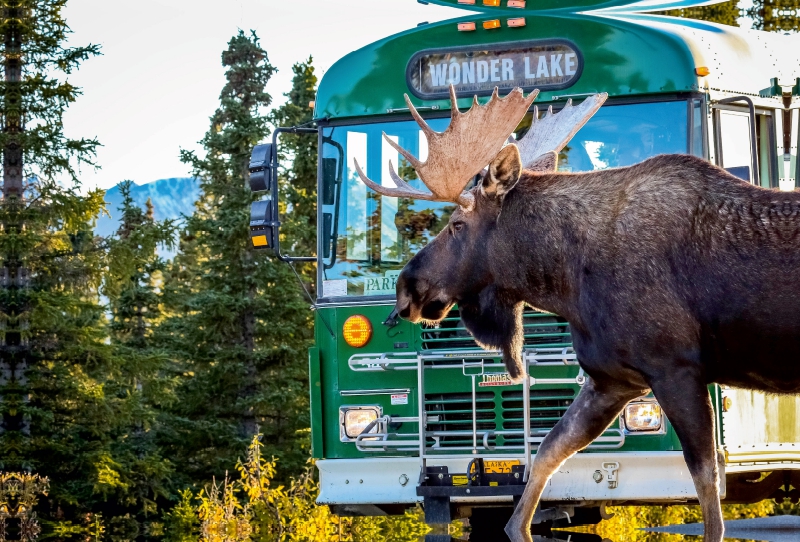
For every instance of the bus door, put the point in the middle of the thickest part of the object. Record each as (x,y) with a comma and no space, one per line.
(745,143)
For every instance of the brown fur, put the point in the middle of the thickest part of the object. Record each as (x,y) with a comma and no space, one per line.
(672,274)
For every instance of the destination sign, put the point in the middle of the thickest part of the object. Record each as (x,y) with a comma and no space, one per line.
(546,65)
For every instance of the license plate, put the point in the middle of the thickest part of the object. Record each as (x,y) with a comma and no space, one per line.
(493,466)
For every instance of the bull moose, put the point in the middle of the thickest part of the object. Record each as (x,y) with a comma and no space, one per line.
(672,274)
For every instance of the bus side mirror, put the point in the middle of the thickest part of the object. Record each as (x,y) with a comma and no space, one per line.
(263,219)
(263,227)
(261,167)
(329,167)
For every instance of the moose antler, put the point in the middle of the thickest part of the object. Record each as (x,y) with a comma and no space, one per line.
(553,131)
(459,153)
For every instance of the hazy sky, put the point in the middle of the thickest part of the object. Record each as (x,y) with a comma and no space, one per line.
(158,80)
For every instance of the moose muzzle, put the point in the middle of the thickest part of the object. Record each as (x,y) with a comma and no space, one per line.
(417,301)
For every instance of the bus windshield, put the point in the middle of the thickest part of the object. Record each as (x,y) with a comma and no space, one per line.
(367,238)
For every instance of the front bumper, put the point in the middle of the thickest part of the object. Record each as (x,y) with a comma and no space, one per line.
(640,476)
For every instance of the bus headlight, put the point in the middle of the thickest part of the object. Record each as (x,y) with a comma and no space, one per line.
(354,419)
(643,416)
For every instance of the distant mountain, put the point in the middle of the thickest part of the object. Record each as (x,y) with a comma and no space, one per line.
(171,198)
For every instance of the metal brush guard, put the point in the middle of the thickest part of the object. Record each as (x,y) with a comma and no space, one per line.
(471,364)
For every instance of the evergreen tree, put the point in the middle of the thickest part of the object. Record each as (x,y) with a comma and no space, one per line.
(238,324)
(298,183)
(142,384)
(54,359)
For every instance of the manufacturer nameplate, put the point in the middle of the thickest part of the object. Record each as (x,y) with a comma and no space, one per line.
(501,379)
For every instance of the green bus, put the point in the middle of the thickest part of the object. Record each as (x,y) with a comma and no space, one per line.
(404,413)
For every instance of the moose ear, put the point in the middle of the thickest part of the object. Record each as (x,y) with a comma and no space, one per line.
(503,173)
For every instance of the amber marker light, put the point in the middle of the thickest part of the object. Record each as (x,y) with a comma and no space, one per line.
(702,71)
(516,22)
(493,3)
(516,3)
(492,24)
(466,27)
(357,331)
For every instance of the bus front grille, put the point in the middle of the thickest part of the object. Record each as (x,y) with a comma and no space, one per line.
(541,330)
(498,412)
(547,407)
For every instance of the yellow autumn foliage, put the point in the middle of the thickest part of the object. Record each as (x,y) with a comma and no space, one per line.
(250,508)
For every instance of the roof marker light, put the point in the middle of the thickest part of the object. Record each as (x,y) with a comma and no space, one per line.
(516,3)
(516,22)
(494,3)
(702,71)
(471,2)
(493,23)
(466,27)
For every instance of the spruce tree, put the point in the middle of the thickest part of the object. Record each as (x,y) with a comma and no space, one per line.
(141,387)
(298,182)
(238,324)
(54,358)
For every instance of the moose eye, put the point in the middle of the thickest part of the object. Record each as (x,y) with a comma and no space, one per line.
(458,226)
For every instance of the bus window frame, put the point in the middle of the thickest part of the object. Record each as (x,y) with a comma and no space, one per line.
(796,126)
(323,124)
(703,115)
(771,141)
(772,146)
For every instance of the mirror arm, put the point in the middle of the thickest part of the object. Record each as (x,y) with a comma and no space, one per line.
(274,190)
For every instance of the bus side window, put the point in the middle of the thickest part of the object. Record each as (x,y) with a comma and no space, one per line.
(733,143)
(734,148)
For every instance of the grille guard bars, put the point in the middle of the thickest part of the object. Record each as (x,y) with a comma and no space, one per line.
(471,364)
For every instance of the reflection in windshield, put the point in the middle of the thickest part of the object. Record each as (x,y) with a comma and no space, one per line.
(624,135)
(377,235)
(380,233)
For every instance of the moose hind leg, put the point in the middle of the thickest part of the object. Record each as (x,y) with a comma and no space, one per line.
(593,410)
(686,402)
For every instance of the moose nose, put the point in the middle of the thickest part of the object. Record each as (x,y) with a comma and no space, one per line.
(403,304)
(404,298)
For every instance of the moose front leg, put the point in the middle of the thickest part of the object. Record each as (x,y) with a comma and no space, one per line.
(684,397)
(595,407)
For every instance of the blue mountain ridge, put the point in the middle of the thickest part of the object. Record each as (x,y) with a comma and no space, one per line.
(171,198)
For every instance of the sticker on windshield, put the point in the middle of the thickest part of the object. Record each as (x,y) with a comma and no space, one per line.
(334,288)
(385,285)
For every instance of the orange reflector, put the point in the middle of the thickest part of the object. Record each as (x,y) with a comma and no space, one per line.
(491,2)
(357,331)
(516,22)
(260,241)
(466,27)
(702,71)
(516,3)
(494,23)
